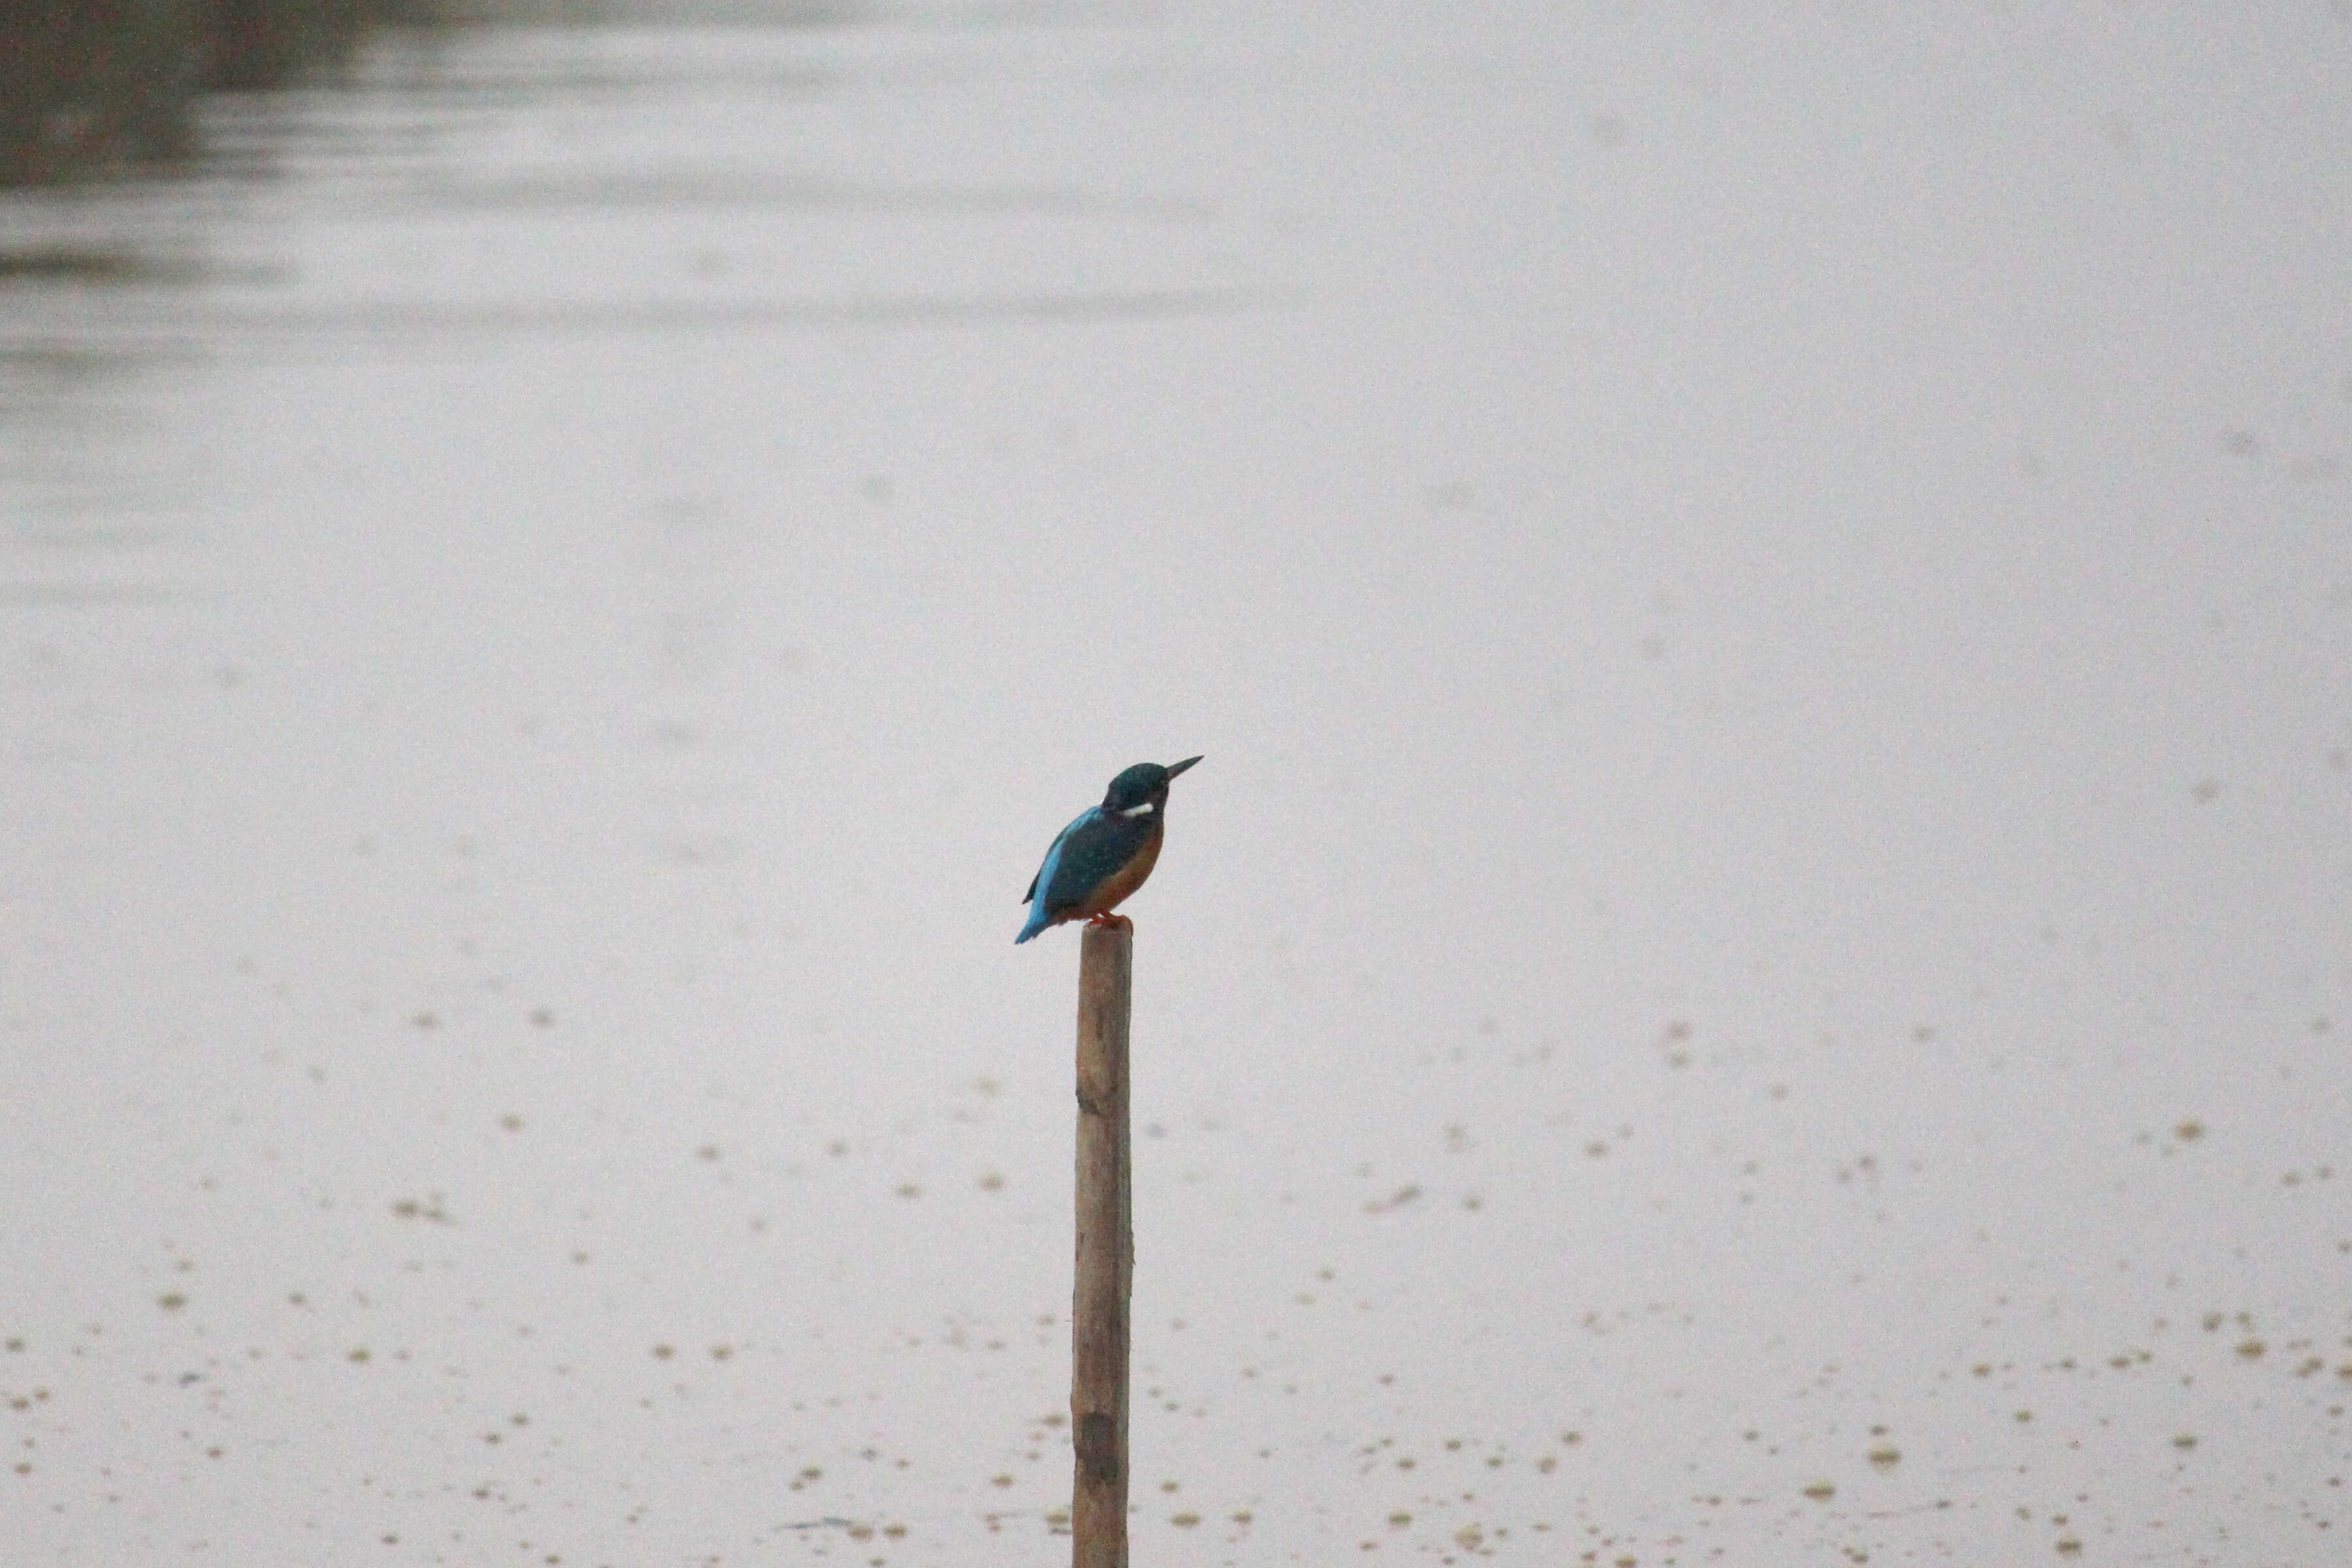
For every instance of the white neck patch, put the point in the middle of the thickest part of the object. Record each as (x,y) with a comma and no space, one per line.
(1143,810)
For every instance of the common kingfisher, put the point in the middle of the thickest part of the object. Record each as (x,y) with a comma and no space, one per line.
(1105,855)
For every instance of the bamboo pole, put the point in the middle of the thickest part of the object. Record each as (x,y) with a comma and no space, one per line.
(1106,1251)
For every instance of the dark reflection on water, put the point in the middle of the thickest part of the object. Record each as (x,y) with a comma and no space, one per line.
(93,89)
(480,189)
(102,86)
(63,262)
(472,180)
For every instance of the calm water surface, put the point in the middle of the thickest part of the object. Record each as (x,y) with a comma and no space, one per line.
(1757,972)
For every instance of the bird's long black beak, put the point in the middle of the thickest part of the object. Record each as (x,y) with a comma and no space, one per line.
(1178,767)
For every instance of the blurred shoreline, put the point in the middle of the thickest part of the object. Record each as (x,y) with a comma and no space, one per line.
(103,88)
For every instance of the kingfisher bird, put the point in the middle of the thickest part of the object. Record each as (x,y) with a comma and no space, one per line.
(1106,853)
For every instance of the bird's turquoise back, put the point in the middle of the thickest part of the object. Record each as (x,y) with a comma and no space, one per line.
(1094,848)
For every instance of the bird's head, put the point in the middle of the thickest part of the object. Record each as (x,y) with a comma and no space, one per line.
(1141,790)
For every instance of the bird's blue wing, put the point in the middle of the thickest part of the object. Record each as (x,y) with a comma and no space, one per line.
(1093,849)
(1041,909)
(1046,873)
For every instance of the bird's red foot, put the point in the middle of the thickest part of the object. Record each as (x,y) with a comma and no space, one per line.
(1110,921)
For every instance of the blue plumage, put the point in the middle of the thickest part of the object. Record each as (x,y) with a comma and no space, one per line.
(1104,853)
(1048,877)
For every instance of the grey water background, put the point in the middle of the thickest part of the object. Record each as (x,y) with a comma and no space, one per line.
(1757,971)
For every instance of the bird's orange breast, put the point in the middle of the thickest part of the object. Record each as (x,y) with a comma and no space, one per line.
(1112,890)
